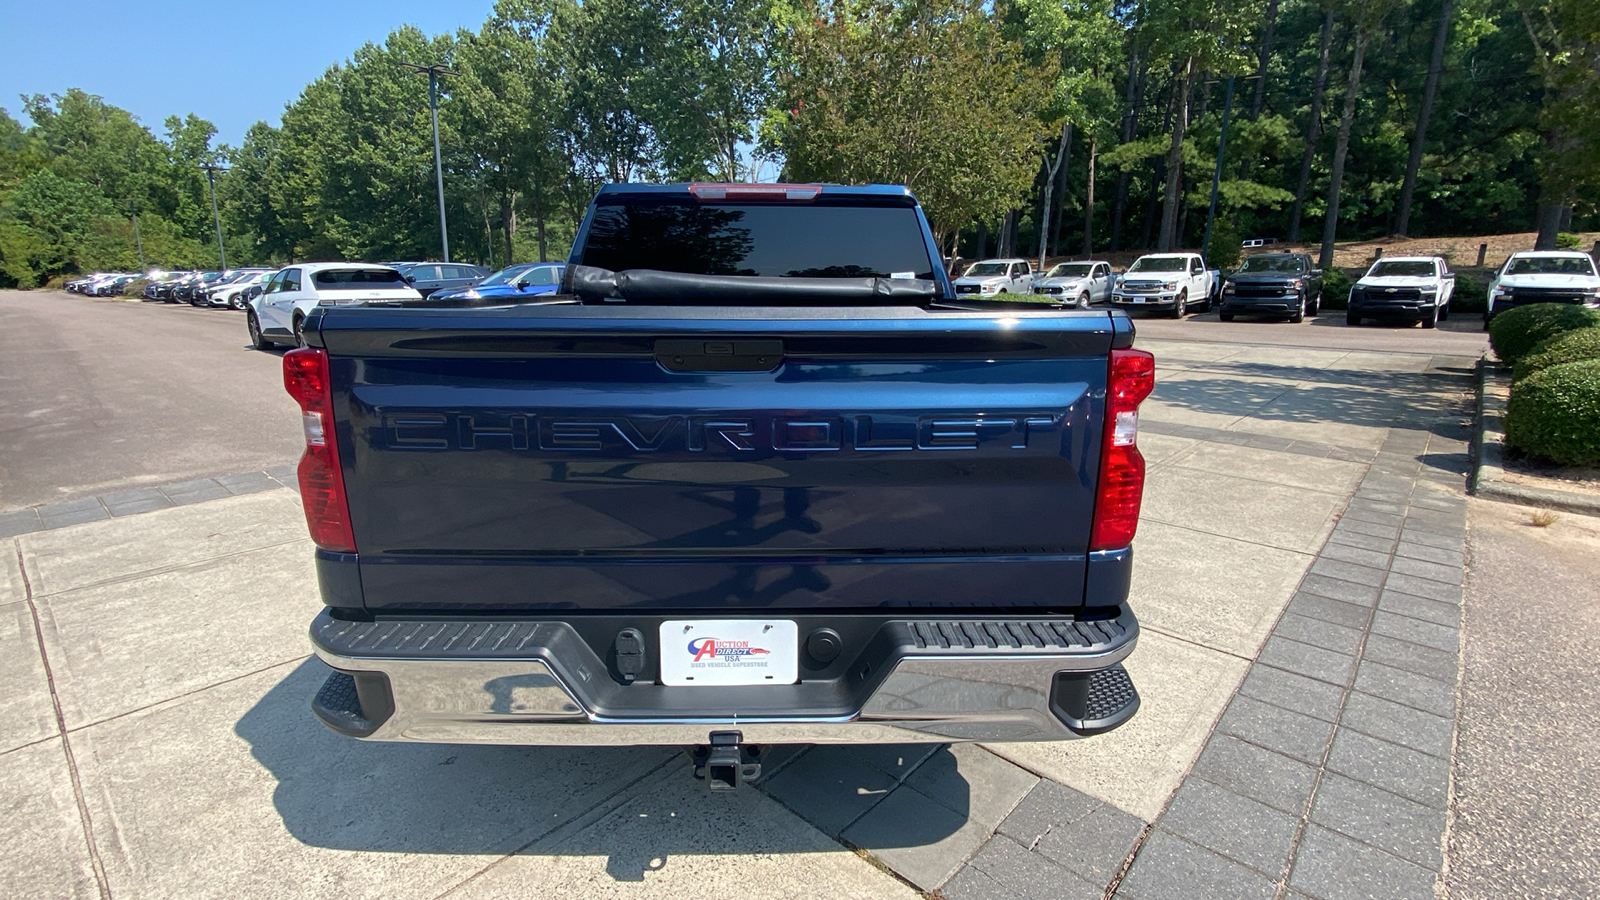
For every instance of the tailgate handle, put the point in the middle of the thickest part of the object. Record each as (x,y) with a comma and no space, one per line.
(719,355)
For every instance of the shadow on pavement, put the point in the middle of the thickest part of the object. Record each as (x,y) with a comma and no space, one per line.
(340,793)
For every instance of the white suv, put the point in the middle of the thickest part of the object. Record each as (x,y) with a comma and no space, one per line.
(289,294)
(1543,276)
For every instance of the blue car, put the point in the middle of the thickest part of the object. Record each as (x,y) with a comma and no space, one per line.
(512,282)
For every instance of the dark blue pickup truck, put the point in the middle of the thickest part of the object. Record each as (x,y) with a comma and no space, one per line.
(754,476)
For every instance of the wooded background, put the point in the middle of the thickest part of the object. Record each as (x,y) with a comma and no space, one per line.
(1026,127)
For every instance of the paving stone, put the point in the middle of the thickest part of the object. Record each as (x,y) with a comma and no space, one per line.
(1396,769)
(897,760)
(1046,807)
(1336,611)
(1436,522)
(62,507)
(128,503)
(1430,539)
(1288,732)
(1004,870)
(1435,611)
(1424,569)
(1439,664)
(921,840)
(973,783)
(1348,571)
(1296,692)
(1318,633)
(1428,634)
(830,787)
(21,521)
(189,487)
(1330,866)
(1371,529)
(1339,589)
(1391,520)
(1424,587)
(1094,847)
(1346,538)
(75,517)
(1399,724)
(248,482)
(1169,866)
(1359,555)
(1439,555)
(195,492)
(1390,507)
(1440,504)
(286,471)
(1232,825)
(1394,824)
(1406,688)
(1268,442)
(1272,778)
(1304,659)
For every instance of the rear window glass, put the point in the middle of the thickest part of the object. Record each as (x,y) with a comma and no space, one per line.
(1551,265)
(777,240)
(357,279)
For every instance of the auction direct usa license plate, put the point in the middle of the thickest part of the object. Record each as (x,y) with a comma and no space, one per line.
(729,652)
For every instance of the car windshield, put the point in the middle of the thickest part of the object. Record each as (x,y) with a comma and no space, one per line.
(1402,268)
(1257,264)
(1160,264)
(820,240)
(1551,265)
(986,268)
(504,276)
(357,279)
(1071,270)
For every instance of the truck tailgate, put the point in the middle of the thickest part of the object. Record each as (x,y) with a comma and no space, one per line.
(571,457)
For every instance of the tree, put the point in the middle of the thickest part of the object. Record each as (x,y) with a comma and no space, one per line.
(1419,138)
(1313,123)
(930,95)
(1566,36)
(1341,147)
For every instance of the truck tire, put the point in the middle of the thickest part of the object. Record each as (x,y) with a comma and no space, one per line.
(1299,315)
(1083,300)
(1225,316)
(1431,320)
(299,338)
(1351,318)
(1181,305)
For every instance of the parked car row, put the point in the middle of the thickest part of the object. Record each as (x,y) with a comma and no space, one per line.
(102,284)
(1170,282)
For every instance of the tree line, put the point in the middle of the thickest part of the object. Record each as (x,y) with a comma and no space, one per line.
(1027,127)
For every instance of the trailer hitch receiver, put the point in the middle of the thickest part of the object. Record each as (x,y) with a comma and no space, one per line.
(727,761)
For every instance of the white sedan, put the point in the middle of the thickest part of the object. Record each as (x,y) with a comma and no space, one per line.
(278,313)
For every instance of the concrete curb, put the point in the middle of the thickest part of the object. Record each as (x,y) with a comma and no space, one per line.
(1488,472)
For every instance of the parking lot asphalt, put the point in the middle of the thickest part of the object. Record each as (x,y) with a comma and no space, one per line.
(1293,578)
(100,395)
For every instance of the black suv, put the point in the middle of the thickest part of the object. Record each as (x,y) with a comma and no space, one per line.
(1273,284)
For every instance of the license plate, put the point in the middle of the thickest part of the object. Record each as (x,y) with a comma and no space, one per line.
(729,652)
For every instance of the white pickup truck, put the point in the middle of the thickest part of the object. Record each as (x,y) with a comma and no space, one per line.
(1172,282)
(1543,276)
(996,276)
(1417,288)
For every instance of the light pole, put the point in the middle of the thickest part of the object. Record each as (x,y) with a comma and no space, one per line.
(434,71)
(211,179)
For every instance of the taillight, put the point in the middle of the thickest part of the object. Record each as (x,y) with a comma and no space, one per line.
(1116,505)
(730,193)
(305,377)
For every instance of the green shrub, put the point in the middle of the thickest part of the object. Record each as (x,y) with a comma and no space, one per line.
(1472,292)
(1566,240)
(1516,332)
(1573,346)
(58,282)
(1555,414)
(135,288)
(1336,288)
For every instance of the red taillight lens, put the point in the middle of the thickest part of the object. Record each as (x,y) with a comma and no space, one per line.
(305,377)
(1132,375)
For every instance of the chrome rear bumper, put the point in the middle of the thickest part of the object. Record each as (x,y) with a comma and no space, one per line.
(537,682)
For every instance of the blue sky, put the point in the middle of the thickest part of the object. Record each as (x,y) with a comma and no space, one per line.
(230,62)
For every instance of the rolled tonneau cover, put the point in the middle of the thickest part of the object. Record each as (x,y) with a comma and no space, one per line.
(656,286)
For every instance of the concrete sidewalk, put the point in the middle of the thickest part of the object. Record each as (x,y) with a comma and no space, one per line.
(144,756)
